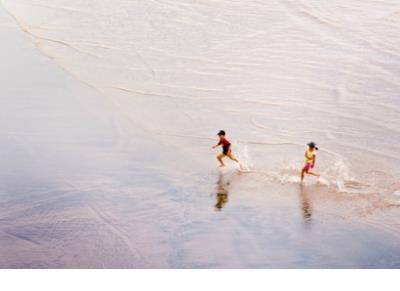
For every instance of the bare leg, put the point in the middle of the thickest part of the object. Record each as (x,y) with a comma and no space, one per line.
(233,158)
(302,174)
(313,174)
(219,158)
(306,171)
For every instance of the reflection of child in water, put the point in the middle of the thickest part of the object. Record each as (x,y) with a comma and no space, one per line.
(222,199)
(222,192)
(310,155)
(306,206)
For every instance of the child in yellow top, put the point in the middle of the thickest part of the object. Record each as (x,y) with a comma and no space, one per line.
(310,156)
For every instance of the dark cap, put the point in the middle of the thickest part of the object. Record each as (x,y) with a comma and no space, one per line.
(312,145)
(221,132)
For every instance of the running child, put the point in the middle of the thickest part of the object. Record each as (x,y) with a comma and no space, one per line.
(226,149)
(310,157)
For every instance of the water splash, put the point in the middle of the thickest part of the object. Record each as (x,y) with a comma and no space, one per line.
(244,156)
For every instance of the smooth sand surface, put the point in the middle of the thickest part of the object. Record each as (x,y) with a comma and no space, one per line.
(83,185)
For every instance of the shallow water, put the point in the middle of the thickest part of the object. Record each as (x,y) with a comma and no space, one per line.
(274,75)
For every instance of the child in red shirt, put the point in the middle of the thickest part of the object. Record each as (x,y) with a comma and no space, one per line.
(226,149)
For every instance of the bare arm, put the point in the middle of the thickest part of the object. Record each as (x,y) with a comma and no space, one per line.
(217,145)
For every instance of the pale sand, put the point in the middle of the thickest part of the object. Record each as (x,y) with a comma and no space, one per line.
(78,190)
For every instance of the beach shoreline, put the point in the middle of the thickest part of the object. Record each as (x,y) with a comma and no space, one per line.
(86,182)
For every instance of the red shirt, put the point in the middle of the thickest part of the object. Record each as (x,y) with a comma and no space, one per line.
(225,144)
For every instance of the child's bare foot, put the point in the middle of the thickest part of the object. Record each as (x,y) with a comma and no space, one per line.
(221,166)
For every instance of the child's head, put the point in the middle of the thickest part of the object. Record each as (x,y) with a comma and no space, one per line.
(312,146)
(221,133)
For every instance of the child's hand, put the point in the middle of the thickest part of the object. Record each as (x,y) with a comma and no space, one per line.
(213,146)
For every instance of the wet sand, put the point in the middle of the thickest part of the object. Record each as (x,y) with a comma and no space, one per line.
(81,188)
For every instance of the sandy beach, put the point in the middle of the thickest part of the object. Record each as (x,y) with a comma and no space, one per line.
(108,115)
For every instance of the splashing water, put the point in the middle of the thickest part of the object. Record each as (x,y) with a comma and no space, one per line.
(246,162)
(337,175)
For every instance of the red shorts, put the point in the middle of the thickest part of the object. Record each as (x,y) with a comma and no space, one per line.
(308,166)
